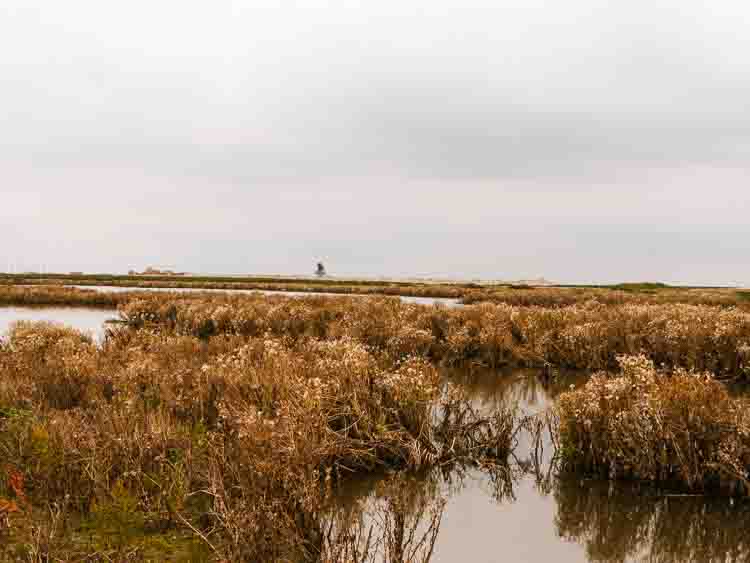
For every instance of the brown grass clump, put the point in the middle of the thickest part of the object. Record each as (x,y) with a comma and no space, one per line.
(63,362)
(19,291)
(234,440)
(586,336)
(578,337)
(52,296)
(679,427)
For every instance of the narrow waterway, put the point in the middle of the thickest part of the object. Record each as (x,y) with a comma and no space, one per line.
(90,321)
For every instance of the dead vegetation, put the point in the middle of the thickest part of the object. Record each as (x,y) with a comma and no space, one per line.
(625,294)
(587,336)
(339,287)
(584,337)
(235,441)
(226,423)
(467,293)
(678,428)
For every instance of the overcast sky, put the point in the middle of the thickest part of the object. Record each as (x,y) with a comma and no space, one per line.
(581,141)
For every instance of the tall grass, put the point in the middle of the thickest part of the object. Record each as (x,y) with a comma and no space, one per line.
(681,428)
(227,422)
(589,337)
(237,440)
(468,293)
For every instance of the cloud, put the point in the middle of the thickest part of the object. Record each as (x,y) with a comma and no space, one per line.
(277,122)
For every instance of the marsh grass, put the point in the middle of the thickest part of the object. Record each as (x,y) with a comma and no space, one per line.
(341,287)
(584,337)
(227,422)
(679,428)
(51,296)
(623,294)
(236,439)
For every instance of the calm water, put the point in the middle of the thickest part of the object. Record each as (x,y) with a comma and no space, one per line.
(91,321)
(563,520)
(529,514)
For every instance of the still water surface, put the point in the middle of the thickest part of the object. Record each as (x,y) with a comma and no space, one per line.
(91,321)
(531,515)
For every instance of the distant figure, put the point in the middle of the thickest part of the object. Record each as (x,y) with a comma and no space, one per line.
(320,271)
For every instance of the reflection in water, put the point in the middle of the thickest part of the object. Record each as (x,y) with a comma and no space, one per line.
(419,518)
(396,519)
(91,321)
(625,522)
(526,512)
(533,393)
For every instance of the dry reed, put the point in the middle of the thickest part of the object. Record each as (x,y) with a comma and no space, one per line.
(679,428)
(235,439)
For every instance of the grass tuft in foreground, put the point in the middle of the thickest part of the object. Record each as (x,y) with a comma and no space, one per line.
(234,441)
(588,337)
(679,428)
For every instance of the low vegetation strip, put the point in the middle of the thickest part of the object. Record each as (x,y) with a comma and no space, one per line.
(428,290)
(679,428)
(616,295)
(519,296)
(586,337)
(110,279)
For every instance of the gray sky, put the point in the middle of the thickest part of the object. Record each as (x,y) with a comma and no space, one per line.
(581,141)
